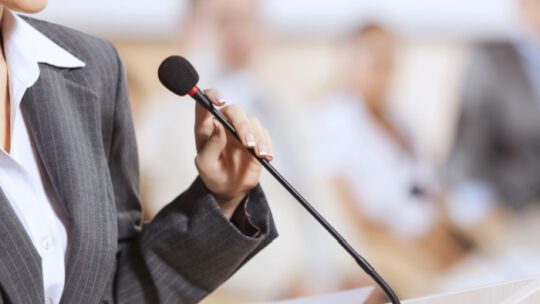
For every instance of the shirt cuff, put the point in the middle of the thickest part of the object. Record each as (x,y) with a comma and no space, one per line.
(242,220)
(470,202)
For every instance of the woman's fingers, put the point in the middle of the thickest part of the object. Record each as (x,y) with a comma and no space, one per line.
(264,146)
(268,139)
(212,148)
(250,131)
(203,118)
(215,97)
(236,116)
(202,115)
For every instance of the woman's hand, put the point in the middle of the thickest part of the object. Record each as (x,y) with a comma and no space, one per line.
(225,167)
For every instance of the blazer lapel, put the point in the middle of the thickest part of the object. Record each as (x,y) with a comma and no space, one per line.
(20,263)
(44,109)
(63,116)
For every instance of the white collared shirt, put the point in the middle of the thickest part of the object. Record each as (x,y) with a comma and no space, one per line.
(22,177)
(348,142)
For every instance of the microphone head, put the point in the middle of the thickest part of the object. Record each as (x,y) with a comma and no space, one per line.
(178,75)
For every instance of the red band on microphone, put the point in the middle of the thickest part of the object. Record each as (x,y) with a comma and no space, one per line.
(193,91)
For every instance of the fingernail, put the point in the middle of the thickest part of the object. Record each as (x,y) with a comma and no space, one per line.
(262,150)
(221,100)
(250,140)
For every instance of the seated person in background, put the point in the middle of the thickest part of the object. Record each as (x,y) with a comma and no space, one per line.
(367,148)
(390,189)
(496,158)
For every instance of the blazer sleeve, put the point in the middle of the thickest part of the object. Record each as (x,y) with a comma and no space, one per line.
(190,248)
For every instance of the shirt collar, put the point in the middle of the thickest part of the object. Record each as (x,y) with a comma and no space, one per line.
(25,47)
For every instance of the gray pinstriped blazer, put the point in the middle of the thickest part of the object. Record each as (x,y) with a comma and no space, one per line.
(81,124)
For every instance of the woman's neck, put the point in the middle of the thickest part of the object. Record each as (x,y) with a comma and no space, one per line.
(5,126)
(2,57)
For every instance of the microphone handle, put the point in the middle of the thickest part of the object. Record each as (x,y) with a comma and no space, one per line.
(362,262)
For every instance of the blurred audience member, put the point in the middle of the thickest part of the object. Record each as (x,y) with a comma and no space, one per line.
(377,170)
(223,42)
(362,144)
(198,35)
(496,158)
(240,35)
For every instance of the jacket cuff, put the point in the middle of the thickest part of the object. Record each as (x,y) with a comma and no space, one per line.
(251,221)
(243,219)
(193,236)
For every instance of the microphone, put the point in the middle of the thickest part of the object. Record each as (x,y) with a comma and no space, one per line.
(180,77)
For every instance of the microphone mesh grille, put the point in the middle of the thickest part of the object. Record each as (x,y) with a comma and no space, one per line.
(178,75)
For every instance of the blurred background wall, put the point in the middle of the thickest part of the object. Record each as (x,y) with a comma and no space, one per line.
(303,34)
(300,59)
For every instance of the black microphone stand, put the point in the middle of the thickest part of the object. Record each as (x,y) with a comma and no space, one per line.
(363,263)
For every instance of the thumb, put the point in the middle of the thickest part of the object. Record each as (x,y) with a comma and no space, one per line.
(213,147)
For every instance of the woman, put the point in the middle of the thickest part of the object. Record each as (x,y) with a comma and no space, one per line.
(70,228)
(389,190)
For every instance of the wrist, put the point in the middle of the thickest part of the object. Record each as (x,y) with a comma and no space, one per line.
(228,205)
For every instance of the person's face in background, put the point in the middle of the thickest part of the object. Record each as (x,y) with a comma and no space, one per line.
(200,18)
(372,63)
(530,10)
(238,31)
(24,6)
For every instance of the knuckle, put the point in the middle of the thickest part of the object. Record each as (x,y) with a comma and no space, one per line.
(212,94)
(197,162)
(210,91)
(267,137)
(265,132)
(232,108)
(204,130)
(202,164)
(254,121)
(243,126)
